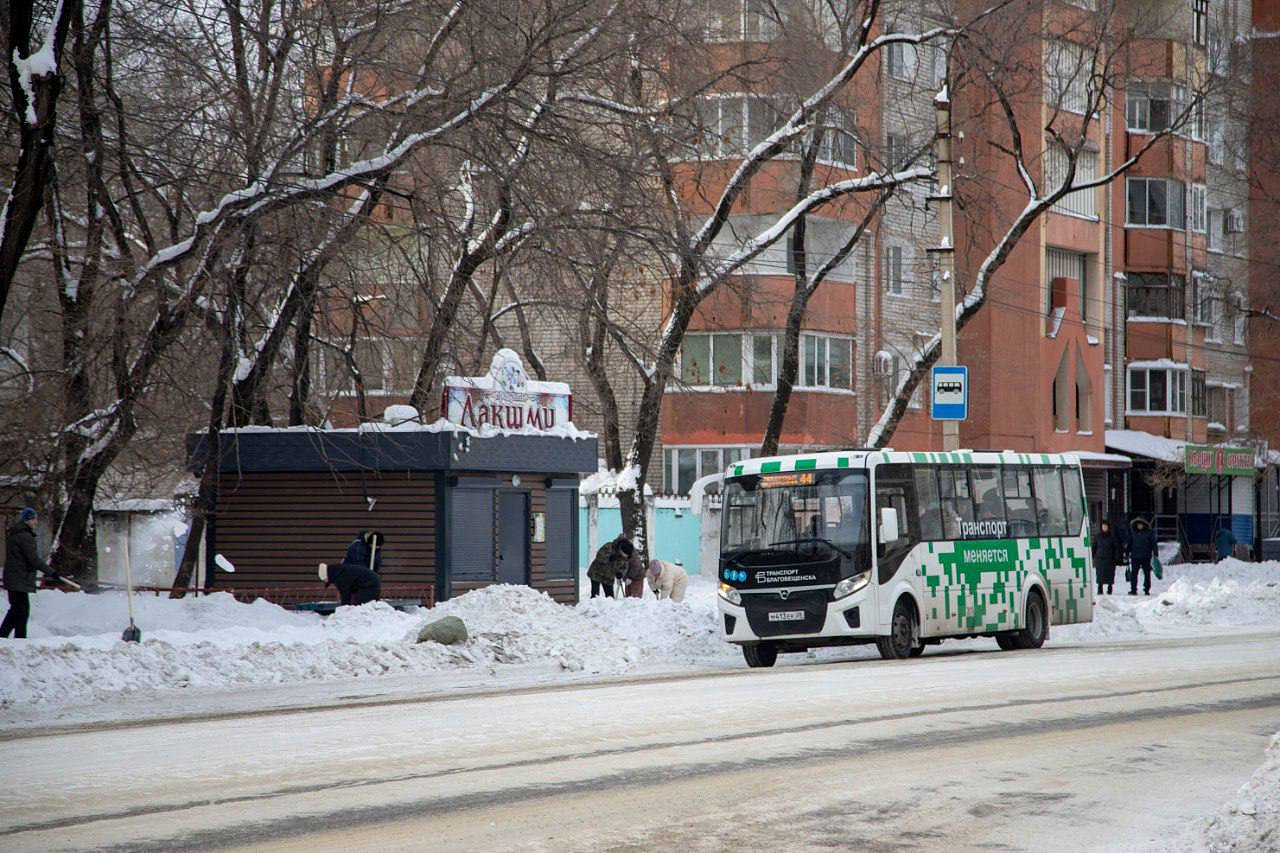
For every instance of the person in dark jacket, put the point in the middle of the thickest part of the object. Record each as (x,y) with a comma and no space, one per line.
(366,550)
(608,565)
(21,563)
(356,584)
(1224,542)
(1142,547)
(1107,552)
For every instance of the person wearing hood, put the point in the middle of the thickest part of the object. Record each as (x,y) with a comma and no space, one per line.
(356,584)
(667,580)
(634,571)
(366,550)
(609,564)
(1107,552)
(21,564)
(1142,547)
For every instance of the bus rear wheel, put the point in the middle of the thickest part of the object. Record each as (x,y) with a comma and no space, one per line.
(760,654)
(902,633)
(1036,627)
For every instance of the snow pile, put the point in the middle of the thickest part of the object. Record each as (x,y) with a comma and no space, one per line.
(1230,595)
(1251,821)
(76,655)
(214,642)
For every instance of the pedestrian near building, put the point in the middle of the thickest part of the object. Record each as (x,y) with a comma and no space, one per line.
(1107,552)
(1224,542)
(356,584)
(366,550)
(1142,547)
(606,567)
(21,564)
(667,580)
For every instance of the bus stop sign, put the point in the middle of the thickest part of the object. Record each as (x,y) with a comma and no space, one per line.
(950,398)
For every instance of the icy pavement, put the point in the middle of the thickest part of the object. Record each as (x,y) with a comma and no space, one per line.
(518,637)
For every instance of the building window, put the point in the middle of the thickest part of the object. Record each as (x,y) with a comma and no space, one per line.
(735,20)
(894,271)
(1219,407)
(1068,70)
(1157,390)
(839,144)
(1153,107)
(711,359)
(1204,304)
(1155,203)
(1197,208)
(1239,319)
(1199,394)
(900,60)
(684,465)
(731,125)
(1216,227)
(1199,21)
(1106,394)
(1155,295)
(764,355)
(1217,134)
(1078,203)
(896,150)
(826,362)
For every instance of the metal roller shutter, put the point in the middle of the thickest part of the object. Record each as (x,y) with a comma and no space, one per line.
(471,534)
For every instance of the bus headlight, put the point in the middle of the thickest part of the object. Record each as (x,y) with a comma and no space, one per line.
(730,594)
(849,586)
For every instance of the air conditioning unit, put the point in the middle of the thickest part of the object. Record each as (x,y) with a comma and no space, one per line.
(1235,222)
(884,364)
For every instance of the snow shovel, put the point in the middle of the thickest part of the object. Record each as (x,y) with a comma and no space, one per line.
(131,634)
(374,539)
(1156,568)
(60,579)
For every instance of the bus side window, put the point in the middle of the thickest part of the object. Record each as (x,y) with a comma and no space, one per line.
(987,494)
(929,502)
(957,504)
(1019,503)
(1075,500)
(1050,508)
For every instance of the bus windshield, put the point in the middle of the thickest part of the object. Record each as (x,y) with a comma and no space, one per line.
(796,517)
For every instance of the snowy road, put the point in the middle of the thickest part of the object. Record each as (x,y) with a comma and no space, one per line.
(1098,746)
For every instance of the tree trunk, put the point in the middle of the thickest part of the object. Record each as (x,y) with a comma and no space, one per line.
(788,370)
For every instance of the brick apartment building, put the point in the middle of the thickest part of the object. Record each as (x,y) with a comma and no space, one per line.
(1117,329)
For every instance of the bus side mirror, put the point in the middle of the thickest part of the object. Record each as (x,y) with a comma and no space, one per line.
(888,525)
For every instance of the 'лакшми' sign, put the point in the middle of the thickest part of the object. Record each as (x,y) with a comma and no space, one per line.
(1219,459)
(506,398)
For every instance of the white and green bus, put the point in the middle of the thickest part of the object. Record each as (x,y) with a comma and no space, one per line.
(901,549)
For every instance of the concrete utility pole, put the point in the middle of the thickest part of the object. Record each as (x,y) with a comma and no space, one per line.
(946,250)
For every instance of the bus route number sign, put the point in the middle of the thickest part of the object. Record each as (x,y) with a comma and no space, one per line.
(950,397)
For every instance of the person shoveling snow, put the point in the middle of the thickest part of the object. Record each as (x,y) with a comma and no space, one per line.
(356,584)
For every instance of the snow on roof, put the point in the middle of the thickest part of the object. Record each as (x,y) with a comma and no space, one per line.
(1137,443)
(440,425)
(134,505)
(506,373)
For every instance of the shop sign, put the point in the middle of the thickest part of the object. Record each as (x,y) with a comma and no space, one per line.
(506,398)
(1219,459)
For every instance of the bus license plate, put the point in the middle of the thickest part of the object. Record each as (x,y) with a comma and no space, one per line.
(787,616)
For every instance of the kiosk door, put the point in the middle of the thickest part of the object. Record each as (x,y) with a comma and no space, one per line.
(513,537)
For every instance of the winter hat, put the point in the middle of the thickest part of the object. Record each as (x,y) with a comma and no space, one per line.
(28,514)
(655,568)
(324,572)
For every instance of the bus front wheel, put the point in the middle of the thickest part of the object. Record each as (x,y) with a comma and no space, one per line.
(760,654)
(902,633)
